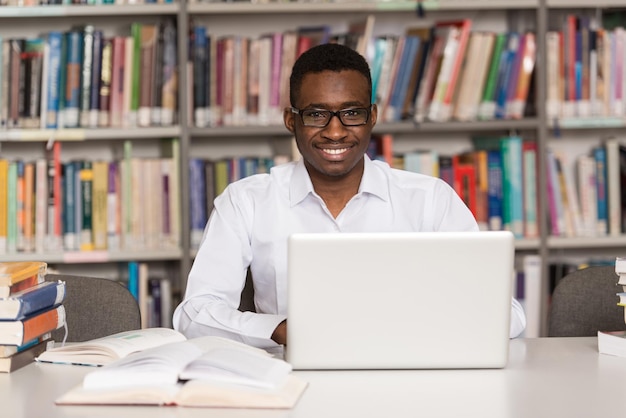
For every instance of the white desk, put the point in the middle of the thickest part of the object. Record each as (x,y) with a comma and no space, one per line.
(546,377)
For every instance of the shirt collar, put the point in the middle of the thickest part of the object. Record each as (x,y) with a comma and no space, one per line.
(373,182)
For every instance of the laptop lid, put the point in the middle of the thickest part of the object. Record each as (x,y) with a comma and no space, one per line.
(399,300)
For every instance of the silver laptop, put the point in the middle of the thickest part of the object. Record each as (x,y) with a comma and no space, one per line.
(437,300)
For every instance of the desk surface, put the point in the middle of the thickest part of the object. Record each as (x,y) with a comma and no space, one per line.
(555,377)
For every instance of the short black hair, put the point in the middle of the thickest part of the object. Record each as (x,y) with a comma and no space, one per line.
(327,57)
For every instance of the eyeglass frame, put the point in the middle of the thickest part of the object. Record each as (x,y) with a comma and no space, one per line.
(334,113)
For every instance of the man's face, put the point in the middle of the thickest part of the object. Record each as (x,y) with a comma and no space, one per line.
(333,150)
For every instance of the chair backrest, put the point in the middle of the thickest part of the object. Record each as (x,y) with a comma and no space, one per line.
(585,302)
(96,307)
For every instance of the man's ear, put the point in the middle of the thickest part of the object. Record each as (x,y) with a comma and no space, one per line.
(288,119)
(374,114)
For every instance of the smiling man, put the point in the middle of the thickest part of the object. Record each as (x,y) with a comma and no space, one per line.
(334,188)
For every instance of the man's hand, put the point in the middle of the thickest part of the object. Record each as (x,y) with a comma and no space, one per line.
(280,333)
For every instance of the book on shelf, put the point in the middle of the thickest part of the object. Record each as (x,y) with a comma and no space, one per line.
(4,81)
(129,111)
(417,72)
(456,36)
(86,70)
(4,184)
(512,184)
(599,155)
(169,88)
(18,332)
(613,186)
(201,372)
(93,114)
(487,107)
(106,74)
(587,186)
(105,350)
(473,75)
(529,161)
(34,299)
(73,78)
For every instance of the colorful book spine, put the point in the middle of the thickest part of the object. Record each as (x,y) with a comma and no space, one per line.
(200,68)
(96,75)
(4,198)
(136,70)
(169,102)
(32,300)
(147,51)
(41,204)
(198,215)
(529,161)
(116,96)
(505,73)
(86,186)
(99,204)
(21,331)
(113,206)
(73,80)
(487,107)
(55,40)
(106,74)
(599,154)
(11,244)
(11,289)
(513,217)
(86,75)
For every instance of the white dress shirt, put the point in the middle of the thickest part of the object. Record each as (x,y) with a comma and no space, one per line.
(253,218)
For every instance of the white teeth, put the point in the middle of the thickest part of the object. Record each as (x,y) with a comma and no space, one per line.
(335,151)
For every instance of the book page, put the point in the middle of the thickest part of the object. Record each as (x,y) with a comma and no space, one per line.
(153,367)
(107,349)
(238,366)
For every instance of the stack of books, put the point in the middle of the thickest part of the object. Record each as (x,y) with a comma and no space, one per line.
(614,342)
(30,309)
(620,269)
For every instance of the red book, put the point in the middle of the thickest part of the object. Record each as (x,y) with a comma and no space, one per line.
(465,183)
(117,82)
(20,332)
(464,25)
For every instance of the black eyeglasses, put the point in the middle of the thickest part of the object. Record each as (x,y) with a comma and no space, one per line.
(320,118)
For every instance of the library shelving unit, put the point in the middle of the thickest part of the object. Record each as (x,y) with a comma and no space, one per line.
(256,18)
(84,143)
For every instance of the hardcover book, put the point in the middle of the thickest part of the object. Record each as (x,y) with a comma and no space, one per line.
(108,349)
(12,272)
(23,357)
(201,372)
(32,300)
(18,332)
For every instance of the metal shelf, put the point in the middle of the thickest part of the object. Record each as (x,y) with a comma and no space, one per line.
(86,257)
(586,242)
(353,6)
(82,134)
(88,10)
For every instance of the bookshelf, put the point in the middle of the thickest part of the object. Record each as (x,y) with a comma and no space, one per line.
(254,19)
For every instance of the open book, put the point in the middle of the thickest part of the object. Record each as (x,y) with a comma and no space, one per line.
(202,372)
(107,349)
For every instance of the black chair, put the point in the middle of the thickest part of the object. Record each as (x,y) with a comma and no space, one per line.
(585,302)
(96,307)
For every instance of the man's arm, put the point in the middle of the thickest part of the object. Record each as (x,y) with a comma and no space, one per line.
(280,333)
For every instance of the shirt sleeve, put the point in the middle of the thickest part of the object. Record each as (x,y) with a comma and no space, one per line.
(215,283)
(518,319)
